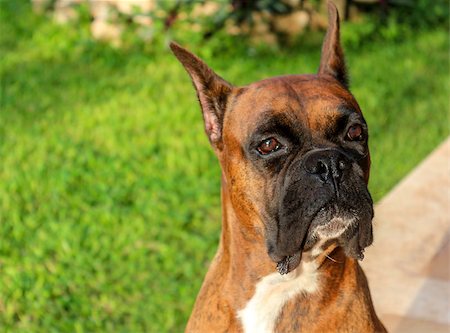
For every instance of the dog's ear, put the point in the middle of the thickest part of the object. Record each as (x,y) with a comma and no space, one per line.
(212,92)
(332,60)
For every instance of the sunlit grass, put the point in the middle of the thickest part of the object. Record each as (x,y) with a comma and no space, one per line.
(109,192)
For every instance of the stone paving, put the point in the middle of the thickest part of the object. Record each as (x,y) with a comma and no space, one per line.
(408,264)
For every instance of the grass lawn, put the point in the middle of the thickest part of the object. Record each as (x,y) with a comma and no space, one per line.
(109,192)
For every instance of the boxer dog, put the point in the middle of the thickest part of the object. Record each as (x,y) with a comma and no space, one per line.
(297,213)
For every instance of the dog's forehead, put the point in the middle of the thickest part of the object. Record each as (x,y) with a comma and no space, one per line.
(313,100)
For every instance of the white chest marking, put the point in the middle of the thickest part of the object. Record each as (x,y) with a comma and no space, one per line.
(272,292)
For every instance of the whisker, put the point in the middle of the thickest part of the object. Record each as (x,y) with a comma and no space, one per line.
(334,260)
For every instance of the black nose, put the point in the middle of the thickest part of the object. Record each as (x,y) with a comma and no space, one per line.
(327,165)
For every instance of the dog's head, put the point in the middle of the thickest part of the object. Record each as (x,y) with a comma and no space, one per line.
(293,151)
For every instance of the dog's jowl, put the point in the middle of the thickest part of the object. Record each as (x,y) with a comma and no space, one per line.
(297,214)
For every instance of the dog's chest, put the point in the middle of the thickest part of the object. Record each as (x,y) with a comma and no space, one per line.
(272,292)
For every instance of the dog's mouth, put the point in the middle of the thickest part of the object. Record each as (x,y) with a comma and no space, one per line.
(349,228)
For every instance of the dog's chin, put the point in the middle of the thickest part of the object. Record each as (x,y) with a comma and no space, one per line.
(331,223)
(348,228)
(321,231)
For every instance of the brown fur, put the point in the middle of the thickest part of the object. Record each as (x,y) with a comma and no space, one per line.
(342,302)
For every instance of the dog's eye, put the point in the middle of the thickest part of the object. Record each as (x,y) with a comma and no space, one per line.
(355,133)
(269,146)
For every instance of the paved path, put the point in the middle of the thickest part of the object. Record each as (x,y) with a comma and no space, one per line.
(408,264)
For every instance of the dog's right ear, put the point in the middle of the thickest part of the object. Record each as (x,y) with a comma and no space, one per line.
(212,92)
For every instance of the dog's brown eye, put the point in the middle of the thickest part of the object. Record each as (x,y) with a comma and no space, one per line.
(268,146)
(355,133)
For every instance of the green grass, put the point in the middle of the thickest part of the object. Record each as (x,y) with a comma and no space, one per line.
(109,192)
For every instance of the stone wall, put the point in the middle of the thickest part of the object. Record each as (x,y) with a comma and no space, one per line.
(108,21)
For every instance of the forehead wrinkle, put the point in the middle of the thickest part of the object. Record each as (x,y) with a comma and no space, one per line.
(348,110)
(294,95)
(320,109)
(279,104)
(261,99)
(325,116)
(268,119)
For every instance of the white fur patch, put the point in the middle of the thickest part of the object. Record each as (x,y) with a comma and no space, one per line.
(334,228)
(272,292)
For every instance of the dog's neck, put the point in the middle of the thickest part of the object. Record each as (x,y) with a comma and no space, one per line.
(242,286)
(252,288)
(243,251)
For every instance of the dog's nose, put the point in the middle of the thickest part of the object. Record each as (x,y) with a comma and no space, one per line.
(327,164)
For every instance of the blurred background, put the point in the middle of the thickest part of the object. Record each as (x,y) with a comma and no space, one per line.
(109,191)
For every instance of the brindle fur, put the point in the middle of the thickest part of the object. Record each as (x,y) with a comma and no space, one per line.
(306,108)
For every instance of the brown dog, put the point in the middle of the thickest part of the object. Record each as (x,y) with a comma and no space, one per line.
(295,165)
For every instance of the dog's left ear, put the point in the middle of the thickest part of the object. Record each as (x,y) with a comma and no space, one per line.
(332,60)
(212,92)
